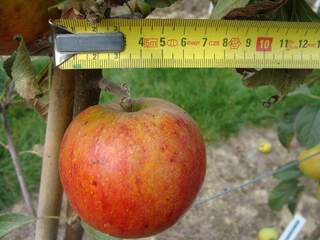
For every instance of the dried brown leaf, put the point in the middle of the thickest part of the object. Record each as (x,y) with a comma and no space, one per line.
(258,10)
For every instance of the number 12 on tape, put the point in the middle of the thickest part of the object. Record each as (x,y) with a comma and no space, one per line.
(294,227)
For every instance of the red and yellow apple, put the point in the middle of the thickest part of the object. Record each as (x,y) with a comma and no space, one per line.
(132,174)
(28,18)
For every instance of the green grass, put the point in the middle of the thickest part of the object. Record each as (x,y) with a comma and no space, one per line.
(215,98)
(28,129)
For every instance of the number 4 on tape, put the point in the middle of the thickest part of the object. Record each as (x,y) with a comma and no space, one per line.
(293,229)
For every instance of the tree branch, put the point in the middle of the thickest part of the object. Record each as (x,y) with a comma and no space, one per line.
(14,156)
(59,117)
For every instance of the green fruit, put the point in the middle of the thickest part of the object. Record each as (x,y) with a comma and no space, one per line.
(268,234)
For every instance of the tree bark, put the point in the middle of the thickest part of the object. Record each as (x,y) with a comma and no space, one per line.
(59,116)
(87,93)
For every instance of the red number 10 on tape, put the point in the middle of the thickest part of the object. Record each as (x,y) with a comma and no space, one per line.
(264,44)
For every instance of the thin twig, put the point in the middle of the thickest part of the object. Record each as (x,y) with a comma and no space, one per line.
(14,156)
(30,152)
(314,97)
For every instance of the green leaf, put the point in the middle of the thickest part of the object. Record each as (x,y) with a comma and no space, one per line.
(313,77)
(284,192)
(144,8)
(3,78)
(7,65)
(294,200)
(39,63)
(23,73)
(13,221)
(302,90)
(297,11)
(304,12)
(288,190)
(160,3)
(95,234)
(257,10)
(308,126)
(31,79)
(284,80)
(286,133)
(286,127)
(223,7)
(291,173)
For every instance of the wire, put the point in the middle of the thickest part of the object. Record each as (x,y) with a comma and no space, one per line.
(252,181)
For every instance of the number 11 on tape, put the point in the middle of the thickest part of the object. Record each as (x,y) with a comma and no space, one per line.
(294,227)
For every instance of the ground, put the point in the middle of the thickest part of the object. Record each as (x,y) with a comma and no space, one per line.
(238,215)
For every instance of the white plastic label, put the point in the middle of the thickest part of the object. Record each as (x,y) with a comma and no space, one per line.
(293,228)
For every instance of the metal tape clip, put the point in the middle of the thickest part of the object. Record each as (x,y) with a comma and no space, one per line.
(67,44)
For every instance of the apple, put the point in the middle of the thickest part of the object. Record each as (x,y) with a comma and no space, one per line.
(132,174)
(310,162)
(28,18)
(268,234)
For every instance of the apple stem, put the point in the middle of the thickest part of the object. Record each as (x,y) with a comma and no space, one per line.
(120,91)
(127,104)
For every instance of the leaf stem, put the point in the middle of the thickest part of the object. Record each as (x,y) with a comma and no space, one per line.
(30,152)
(314,97)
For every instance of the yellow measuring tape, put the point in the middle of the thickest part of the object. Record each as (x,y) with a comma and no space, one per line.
(186,43)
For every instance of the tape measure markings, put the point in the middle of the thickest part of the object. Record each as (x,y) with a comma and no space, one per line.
(182,43)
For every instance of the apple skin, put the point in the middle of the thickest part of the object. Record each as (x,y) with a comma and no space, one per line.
(132,174)
(25,17)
